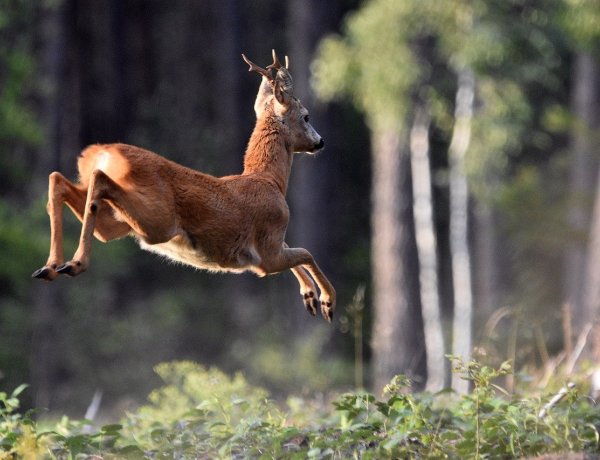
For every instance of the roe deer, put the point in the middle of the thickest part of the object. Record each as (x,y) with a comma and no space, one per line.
(222,224)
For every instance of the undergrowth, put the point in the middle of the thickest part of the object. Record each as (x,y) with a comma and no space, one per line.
(204,414)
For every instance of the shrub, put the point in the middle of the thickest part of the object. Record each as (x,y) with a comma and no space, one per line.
(203,413)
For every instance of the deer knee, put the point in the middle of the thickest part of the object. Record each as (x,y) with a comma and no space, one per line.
(53,177)
(55,180)
(101,184)
(94,207)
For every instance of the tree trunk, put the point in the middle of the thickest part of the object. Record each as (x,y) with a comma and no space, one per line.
(308,21)
(486,273)
(583,298)
(46,300)
(229,110)
(586,143)
(397,328)
(427,251)
(591,293)
(459,242)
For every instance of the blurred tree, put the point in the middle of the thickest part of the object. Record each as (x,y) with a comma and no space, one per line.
(308,21)
(507,58)
(20,136)
(581,21)
(365,68)
(423,207)
(459,212)
(583,172)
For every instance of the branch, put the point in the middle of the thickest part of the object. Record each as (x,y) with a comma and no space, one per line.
(556,399)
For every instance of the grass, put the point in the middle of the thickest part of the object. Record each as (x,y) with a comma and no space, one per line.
(203,413)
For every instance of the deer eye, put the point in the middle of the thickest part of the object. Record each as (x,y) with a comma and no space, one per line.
(306,118)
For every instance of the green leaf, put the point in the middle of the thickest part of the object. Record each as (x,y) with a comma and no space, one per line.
(113,428)
(17,391)
(314,452)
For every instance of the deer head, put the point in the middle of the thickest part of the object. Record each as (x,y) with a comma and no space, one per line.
(276,99)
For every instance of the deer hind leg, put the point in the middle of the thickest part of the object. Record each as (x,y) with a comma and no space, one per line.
(62,191)
(97,219)
(299,260)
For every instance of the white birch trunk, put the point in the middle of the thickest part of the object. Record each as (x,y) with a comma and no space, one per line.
(582,263)
(587,144)
(459,206)
(427,250)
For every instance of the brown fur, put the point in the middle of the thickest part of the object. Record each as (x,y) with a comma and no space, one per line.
(228,224)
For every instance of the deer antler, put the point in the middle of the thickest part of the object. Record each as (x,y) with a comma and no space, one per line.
(283,75)
(276,64)
(253,67)
(282,78)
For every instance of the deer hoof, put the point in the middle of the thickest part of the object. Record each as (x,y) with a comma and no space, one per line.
(72,268)
(45,273)
(327,310)
(310,302)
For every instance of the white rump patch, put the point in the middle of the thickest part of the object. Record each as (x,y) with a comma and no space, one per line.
(103,160)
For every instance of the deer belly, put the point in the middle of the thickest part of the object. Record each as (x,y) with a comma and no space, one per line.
(180,249)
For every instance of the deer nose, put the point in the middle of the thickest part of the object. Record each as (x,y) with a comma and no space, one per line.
(320,144)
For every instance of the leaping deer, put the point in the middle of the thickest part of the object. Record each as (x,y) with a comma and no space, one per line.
(221,224)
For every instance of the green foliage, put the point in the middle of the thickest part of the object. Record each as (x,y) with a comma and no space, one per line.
(581,20)
(203,413)
(388,51)
(19,128)
(20,250)
(17,120)
(311,368)
(376,74)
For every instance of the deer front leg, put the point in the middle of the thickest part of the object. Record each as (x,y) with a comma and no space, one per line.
(60,190)
(327,297)
(308,290)
(301,259)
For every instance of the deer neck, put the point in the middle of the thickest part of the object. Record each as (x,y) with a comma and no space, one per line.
(268,154)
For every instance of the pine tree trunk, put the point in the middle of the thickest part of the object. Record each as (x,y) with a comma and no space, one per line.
(592,278)
(427,251)
(397,328)
(459,207)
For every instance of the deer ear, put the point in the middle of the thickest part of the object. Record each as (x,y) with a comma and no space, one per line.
(281,94)
(265,91)
(283,86)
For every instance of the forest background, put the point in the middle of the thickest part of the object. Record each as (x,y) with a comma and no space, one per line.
(458,190)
